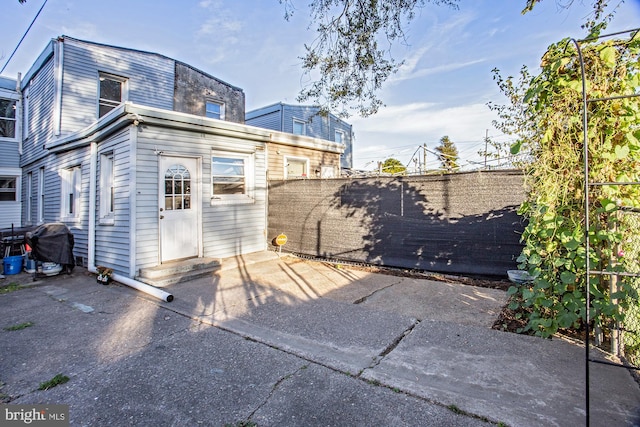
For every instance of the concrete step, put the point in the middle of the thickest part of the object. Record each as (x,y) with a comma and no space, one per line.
(178,271)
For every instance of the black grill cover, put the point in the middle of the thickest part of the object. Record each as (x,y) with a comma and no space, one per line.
(52,243)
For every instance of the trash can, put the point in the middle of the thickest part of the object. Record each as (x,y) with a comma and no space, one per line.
(12,265)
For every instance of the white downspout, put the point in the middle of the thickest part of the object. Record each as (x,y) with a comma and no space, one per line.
(91,256)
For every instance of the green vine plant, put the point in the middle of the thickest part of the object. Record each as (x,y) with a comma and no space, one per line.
(546,114)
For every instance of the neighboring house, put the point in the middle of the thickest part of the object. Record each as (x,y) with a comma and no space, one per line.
(144,158)
(295,162)
(10,147)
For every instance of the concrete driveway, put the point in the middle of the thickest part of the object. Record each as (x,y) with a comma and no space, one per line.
(282,341)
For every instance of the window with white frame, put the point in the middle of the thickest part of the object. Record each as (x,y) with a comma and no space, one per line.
(107,189)
(29,197)
(8,188)
(8,118)
(296,167)
(71,186)
(214,110)
(232,177)
(112,92)
(40,195)
(339,136)
(299,127)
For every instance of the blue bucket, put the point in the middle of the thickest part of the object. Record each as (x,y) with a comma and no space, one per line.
(12,265)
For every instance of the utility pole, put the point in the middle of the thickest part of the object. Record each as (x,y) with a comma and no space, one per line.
(424,158)
(486,141)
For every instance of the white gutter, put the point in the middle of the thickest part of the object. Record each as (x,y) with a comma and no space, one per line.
(143,287)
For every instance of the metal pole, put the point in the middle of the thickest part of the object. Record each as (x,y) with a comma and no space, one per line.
(486,140)
(585,136)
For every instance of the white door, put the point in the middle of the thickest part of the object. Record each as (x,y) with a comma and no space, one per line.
(179,206)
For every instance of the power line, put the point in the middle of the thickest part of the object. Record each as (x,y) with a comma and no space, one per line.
(23,36)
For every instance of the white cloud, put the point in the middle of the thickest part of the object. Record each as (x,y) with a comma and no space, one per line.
(398,130)
(414,74)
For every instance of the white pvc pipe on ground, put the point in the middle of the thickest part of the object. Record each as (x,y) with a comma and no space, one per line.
(143,287)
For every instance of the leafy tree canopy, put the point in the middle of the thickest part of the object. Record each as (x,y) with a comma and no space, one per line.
(350,58)
(393,166)
(448,154)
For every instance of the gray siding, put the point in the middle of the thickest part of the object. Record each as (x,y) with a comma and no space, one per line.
(149,80)
(280,117)
(227,230)
(80,226)
(266,118)
(41,100)
(10,157)
(9,214)
(113,247)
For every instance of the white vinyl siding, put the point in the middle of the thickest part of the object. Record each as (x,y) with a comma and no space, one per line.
(224,226)
(113,230)
(150,80)
(40,115)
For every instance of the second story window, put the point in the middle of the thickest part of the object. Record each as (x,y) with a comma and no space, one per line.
(7,118)
(339,137)
(215,110)
(299,127)
(113,92)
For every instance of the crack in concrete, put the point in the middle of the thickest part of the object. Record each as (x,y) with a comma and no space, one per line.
(366,297)
(392,346)
(274,389)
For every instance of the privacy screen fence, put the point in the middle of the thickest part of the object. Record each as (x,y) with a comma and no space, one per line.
(464,223)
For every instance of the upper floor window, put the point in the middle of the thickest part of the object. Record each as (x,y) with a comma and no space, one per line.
(113,91)
(339,137)
(7,118)
(299,127)
(215,110)
(8,188)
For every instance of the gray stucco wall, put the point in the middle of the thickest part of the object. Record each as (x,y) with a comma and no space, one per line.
(193,88)
(460,223)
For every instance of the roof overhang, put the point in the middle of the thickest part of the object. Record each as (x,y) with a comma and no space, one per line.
(127,114)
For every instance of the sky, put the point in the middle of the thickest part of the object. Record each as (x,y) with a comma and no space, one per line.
(442,89)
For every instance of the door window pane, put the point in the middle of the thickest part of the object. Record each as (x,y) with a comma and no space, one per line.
(177,188)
